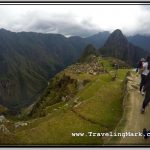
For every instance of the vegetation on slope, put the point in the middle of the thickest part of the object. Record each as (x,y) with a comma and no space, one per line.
(96,108)
(28,60)
(92,107)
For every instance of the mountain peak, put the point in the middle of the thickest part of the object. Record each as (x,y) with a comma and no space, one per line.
(118,46)
(117,37)
(88,51)
(117,31)
(4,30)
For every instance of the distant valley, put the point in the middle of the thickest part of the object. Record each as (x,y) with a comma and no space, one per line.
(28,60)
(51,85)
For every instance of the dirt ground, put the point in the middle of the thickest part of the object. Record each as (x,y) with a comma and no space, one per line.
(135,121)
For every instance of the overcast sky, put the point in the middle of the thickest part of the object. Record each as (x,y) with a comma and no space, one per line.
(82,20)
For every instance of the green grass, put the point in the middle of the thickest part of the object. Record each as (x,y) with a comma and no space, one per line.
(51,108)
(121,124)
(103,100)
(114,140)
(57,129)
(100,111)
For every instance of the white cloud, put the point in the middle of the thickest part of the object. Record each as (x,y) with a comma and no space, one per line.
(81,20)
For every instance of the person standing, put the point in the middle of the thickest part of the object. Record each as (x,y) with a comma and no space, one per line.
(144,72)
(140,65)
(146,88)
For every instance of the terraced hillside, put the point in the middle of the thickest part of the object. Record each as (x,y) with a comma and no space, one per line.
(83,98)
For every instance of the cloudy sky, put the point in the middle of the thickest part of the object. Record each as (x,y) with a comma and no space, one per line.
(82,20)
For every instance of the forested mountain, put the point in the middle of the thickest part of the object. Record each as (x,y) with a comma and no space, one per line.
(117,45)
(28,60)
(141,41)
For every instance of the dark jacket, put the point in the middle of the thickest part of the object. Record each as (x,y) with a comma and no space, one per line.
(147,83)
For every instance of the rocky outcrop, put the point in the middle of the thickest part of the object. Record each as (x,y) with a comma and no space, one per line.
(20,124)
(3,119)
(3,129)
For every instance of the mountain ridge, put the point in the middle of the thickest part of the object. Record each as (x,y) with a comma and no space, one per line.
(142,41)
(28,60)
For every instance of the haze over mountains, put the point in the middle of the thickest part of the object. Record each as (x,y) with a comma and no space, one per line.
(28,60)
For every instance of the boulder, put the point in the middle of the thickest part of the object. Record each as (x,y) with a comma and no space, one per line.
(20,124)
(63,99)
(4,129)
(3,119)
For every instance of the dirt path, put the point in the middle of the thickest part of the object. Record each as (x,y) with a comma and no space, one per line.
(135,121)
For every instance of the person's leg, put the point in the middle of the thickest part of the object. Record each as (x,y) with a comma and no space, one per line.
(142,80)
(145,133)
(145,102)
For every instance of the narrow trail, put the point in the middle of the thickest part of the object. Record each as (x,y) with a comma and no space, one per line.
(135,121)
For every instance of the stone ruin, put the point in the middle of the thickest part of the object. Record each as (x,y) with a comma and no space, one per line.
(93,67)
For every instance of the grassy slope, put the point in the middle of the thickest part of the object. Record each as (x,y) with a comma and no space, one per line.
(99,111)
